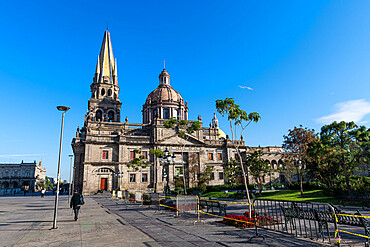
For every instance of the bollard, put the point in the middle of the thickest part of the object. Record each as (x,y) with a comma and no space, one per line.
(338,240)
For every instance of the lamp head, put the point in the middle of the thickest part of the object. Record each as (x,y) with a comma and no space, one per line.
(173,157)
(166,152)
(63,108)
(160,157)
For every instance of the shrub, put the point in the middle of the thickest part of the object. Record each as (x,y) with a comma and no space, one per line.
(248,221)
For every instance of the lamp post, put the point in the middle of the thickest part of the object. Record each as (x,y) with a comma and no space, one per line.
(119,175)
(166,160)
(64,109)
(70,177)
(300,175)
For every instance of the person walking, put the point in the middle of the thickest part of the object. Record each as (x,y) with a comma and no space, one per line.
(42,192)
(76,201)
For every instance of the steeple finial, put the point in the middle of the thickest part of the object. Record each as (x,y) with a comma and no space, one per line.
(164,64)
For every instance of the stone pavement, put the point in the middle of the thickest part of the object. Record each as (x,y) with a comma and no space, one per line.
(26,221)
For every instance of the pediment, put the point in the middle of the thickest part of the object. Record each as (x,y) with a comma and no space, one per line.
(175,139)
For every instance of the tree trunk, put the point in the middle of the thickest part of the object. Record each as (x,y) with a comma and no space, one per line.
(346,175)
(245,183)
(259,186)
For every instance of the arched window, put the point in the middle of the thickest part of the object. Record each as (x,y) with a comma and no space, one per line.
(99,115)
(166,113)
(273,164)
(102,91)
(109,92)
(155,113)
(115,96)
(110,116)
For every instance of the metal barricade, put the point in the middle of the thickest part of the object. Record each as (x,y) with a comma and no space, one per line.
(138,196)
(302,219)
(187,204)
(119,194)
(127,196)
(154,200)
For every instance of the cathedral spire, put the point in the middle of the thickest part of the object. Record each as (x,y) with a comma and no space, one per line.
(106,65)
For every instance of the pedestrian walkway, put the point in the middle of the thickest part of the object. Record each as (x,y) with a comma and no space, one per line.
(168,230)
(26,221)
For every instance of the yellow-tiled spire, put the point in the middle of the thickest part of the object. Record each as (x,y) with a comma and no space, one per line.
(106,61)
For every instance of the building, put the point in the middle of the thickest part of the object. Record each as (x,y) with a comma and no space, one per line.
(21,176)
(104,145)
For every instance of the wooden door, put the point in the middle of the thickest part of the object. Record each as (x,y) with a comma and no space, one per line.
(103,184)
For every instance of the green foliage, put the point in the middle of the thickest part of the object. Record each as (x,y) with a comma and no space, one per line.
(195,126)
(311,185)
(179,184)
(137,162)
(170,123)
(157,152)
(232,170)
(296,144)
(358,183)
(294,195)
(237,118)
(183,122)
(343,145)
(233,112)
(205,176)
(258,167)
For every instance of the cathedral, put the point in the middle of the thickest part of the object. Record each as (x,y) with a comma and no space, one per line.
(104,146)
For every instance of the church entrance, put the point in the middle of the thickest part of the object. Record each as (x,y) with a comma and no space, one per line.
(103,184)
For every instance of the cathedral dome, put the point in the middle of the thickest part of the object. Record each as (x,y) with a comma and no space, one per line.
(164,93)
(164,102)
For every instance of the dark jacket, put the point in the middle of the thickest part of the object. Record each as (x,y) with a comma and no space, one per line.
(76,200)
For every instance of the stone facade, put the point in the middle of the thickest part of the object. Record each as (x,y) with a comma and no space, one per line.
(21,176)
(104,145)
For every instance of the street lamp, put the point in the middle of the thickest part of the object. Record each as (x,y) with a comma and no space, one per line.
(64,109)
(119,175)
(166,160)
(70,177)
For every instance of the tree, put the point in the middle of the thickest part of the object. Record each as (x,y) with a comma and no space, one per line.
(238,120)
(205,177)
(349,144)
(194,170)
(183,130)
(232,170)
(258,167)
(322,165)
(295,145)
(48,184)
(137,163)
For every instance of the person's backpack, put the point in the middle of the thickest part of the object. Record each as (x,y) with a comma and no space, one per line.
(82,201)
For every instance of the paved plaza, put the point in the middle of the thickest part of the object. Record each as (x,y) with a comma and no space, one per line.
(26,221)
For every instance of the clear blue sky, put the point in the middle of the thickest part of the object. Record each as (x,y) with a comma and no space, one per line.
(306,61)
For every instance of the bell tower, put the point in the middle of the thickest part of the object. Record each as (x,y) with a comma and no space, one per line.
(104,104)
